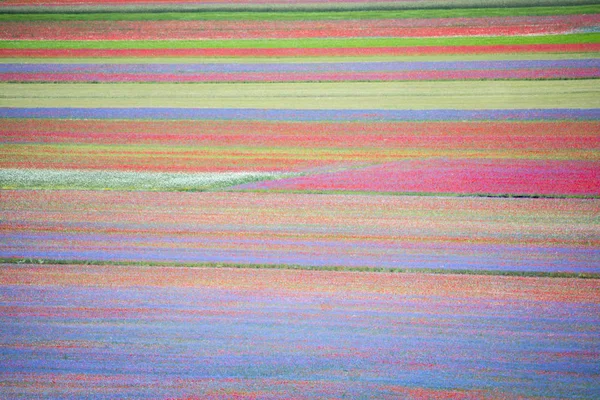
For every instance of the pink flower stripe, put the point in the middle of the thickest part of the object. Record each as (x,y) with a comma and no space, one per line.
(292,77)
(300,52)
(530,136)
(467,176)
(160,30)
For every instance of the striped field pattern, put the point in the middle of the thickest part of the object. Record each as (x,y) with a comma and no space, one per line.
(299,199)
(131,332)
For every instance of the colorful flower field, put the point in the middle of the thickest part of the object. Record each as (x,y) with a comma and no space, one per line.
(283,199)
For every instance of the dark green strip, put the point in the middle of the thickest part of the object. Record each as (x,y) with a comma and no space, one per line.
(293,15)
(42,261)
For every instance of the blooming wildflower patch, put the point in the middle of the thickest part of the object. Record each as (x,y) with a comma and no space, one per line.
(299,199)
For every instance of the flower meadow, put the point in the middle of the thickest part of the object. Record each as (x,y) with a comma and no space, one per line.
(334,72)
(299,199)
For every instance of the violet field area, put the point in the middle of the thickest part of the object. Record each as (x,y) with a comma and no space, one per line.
(317,115)
(120,331)
(365,71)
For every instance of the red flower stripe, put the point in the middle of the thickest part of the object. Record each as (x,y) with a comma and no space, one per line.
(542,136)
(160,30)
(300,52)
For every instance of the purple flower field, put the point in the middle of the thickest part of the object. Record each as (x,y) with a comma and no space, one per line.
(303,115)
(179,333)
(296,67)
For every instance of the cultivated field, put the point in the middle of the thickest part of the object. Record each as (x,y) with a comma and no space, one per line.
(299,199)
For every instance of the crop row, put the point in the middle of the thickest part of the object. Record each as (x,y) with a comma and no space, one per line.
(304,43)
(218,158)
(290,72)
(389,66)
(161,30)
(378,231)
(581,73)
(440,97)
(300,115)
(302,52)
(183,13)
(438,7)
(547,136)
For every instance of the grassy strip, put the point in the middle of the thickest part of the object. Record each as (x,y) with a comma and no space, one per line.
(473,95)
(305,43)
(317,15)
(536,274)
(419,194)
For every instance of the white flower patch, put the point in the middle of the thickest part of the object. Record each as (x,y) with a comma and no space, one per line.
(13,178)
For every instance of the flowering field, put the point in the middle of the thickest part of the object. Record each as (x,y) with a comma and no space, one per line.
(302,72)
(299,199)
(480,234)
(123,331)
